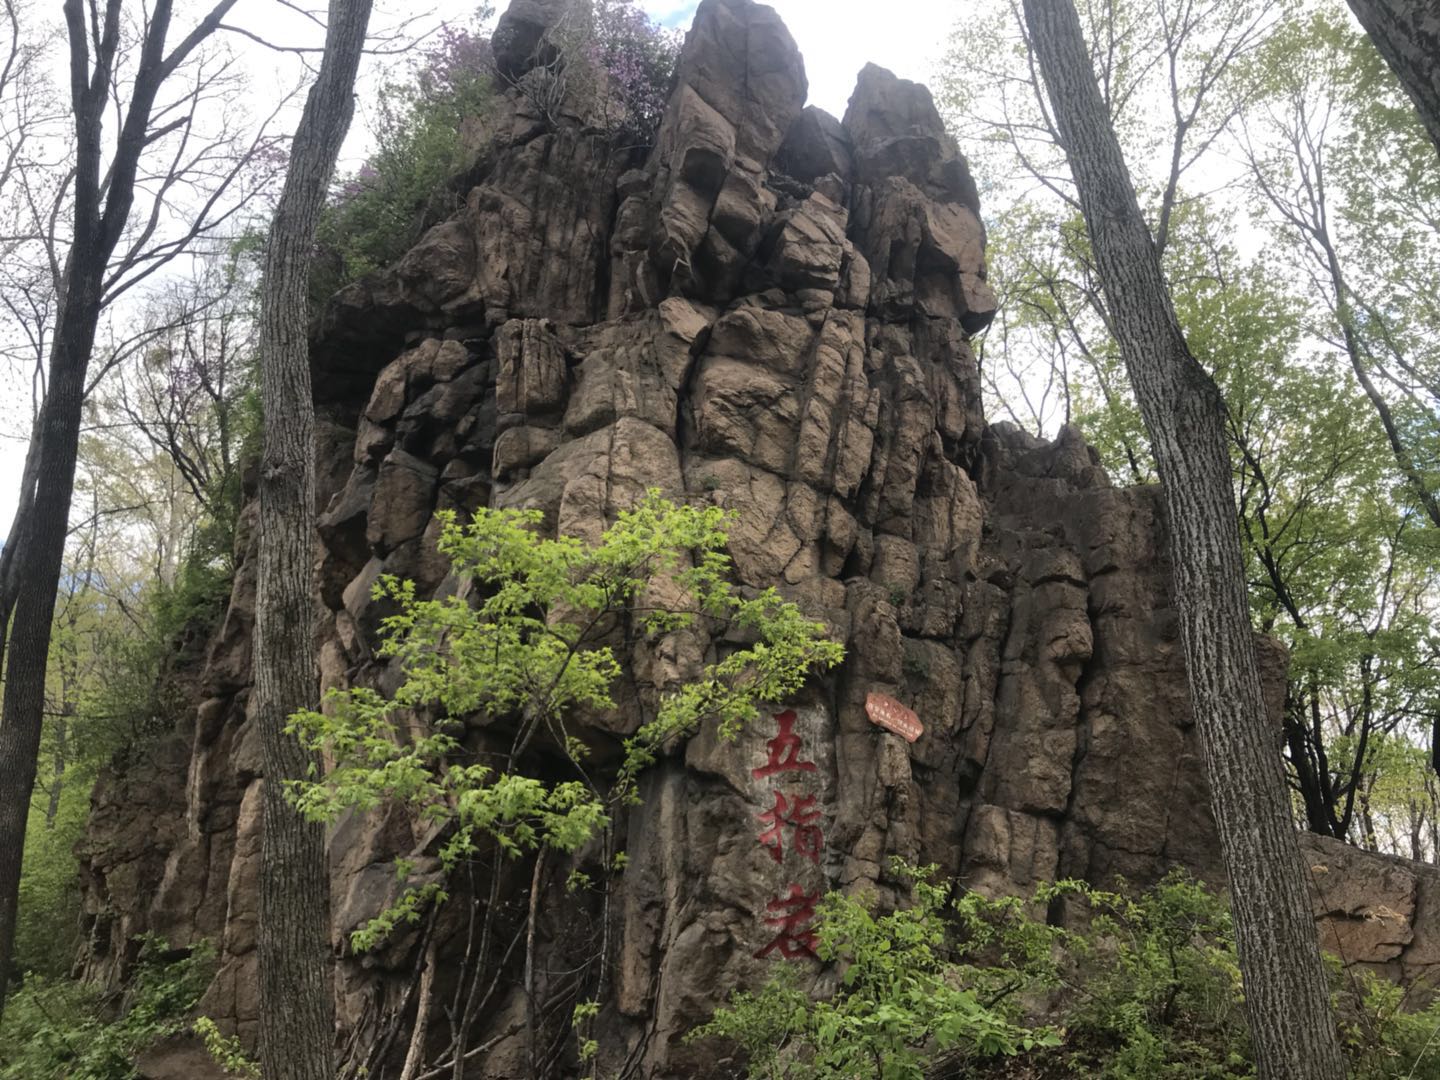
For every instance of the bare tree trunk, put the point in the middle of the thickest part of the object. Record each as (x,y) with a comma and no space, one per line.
(1285,990)
(102,205)
(19,530)
(36,580)
(415,1054)
(1407,33)
(296,995)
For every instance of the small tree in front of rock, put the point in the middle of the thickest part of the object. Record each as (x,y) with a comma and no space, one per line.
(526,642)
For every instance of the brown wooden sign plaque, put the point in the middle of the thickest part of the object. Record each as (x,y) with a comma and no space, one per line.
(892,716)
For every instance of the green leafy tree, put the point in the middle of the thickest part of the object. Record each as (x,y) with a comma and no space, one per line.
(1348,183)
(534,635)
(1321,339)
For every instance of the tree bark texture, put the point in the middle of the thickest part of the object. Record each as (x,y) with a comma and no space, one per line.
(1286,999)
(296,993)
(1407,33)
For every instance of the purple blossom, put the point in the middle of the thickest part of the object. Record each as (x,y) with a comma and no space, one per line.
(638,56)
(452,63)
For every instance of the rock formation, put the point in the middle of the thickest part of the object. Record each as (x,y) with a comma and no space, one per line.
(772,311)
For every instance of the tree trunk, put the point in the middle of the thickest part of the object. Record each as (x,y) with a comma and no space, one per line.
(102,200)
(37,579)
(1407,33)
(1285,989)
(296,995)
(19,529)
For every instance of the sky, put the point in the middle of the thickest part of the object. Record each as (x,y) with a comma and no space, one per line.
(839,37)
(836,37)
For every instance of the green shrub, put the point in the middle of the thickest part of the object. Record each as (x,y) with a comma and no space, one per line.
(226,1051)
(1155,989)
(906,996)
(62,1030)
(1146,987)
(1383,1038)
(533,646)
(47,924)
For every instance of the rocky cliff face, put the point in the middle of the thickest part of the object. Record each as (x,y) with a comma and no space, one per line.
(772,312)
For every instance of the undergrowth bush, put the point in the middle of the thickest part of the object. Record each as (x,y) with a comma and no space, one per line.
(47,926)
(905,996)
(1383,1035)
(56,1029)
(1134,987)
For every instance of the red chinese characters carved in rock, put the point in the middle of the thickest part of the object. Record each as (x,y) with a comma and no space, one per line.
(792,914)
(784,750)
(799,815)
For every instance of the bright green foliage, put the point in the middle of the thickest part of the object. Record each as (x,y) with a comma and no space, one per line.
(45,934)
(61,1030)
(1352,174)
(905,996)
(1156,986)
(226,1050)
(1137,987)
(582,1019)
(1384,1039)
(525,641)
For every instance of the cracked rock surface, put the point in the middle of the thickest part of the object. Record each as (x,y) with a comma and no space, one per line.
(772,311)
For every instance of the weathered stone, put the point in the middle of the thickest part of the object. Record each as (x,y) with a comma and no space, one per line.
(520,448)
(770,314)
(896,131)
(402,501)
(517,37)
(811,249)
(532,377)
(740,59)
(816,145)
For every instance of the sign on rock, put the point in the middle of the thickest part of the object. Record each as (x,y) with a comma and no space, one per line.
(892,716)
